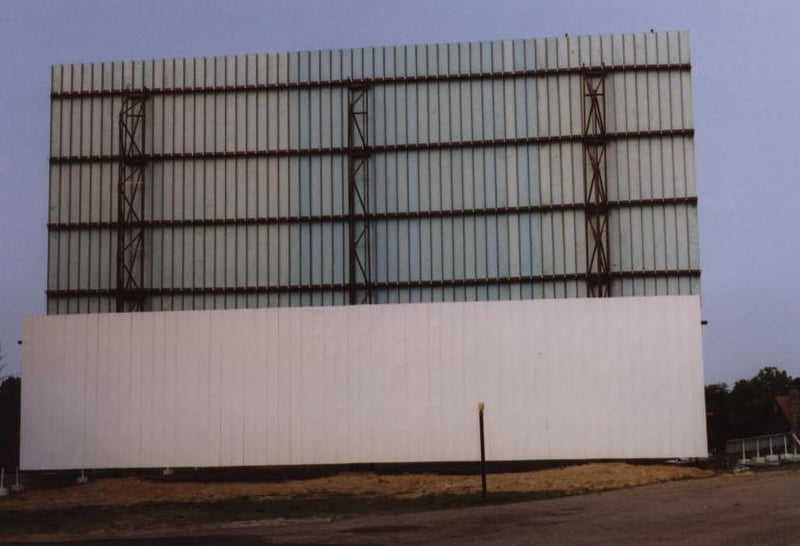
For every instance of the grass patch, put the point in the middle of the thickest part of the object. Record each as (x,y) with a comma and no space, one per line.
(155,515)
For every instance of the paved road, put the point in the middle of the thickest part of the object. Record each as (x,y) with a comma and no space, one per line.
(751,509)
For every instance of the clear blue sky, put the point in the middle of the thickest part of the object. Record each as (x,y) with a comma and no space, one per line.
(746,77)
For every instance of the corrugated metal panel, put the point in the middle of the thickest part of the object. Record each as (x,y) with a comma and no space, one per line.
(291,209)
(350,384)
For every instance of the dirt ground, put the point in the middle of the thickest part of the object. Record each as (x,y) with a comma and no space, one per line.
(741,509)
(132,490)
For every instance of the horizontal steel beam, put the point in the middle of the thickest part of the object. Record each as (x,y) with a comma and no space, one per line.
(374,217)
(385,80)
(384,148)
(376,285)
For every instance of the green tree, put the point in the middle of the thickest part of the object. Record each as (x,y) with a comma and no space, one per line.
(749,409)
(753,409)
(718,414)
(9,421)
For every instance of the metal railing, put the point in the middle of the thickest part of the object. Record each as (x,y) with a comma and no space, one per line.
(766,448)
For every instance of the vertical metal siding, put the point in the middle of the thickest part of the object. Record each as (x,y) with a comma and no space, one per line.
(389,383)
(660,237)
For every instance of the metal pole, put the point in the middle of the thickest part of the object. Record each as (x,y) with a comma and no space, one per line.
(483,451)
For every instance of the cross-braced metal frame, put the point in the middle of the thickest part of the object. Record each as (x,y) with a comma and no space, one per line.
(359,286)
(358,182)
(593,111)
(130,205)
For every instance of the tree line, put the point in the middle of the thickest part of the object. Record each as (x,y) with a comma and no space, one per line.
(747,409)
(9,421)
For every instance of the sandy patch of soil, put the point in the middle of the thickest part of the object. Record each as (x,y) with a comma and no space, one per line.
(132,490)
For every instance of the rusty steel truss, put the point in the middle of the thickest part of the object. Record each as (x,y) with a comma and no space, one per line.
(593,109)
(358,182)
(130,293)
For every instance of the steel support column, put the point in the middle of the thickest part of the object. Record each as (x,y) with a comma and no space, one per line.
(358,182)
(130,205)
(593,110)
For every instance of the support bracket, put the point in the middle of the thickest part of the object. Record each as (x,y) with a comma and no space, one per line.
(130,204)
(593,114)
(358,184)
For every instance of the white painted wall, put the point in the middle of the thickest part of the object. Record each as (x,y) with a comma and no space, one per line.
(561,379)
